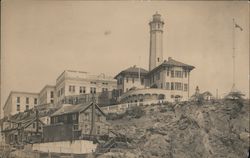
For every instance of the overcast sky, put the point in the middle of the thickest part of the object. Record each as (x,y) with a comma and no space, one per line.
(40,39)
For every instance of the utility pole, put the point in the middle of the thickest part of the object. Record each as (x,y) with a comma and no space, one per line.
(93,129)
(233,87)
(235,25)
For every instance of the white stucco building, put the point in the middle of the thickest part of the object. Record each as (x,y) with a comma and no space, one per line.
(47,95)
(72,83)
(19,102)
(166,79)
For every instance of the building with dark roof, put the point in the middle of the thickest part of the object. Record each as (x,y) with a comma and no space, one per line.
(24,127)
(130,78)
(77,121)
(166,79)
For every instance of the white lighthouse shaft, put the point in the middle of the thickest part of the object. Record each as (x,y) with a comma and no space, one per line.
(156,43)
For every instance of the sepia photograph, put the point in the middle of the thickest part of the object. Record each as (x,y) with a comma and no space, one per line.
(124,79)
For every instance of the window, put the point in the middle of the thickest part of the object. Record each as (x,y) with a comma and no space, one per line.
(178,86)
(76,127)
(168,73)
(172,73)
(51,101)
(56,120)
(51,94)
(74,117)
(82,90)
(62,90)
(172,86)
(92,90)
(167,85)
(104,83)
(158,59)
(35,101)
(185,87)
(98,118)
(120,81)
(65,118)
(93,82)
(178,74)
(142,81)
(27,100)
(98,130)
(17,107)
(133,80)
(185,74)
(158,76)
(27,107)
(86,128)
(161,85)
(86,117)
(127,79)
(71,88)
(18,99)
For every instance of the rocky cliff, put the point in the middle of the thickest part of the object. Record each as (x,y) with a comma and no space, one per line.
(187,130)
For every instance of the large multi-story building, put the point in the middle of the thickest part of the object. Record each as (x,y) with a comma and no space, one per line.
(166,79)
(20,102)
(74,83)
(47,95)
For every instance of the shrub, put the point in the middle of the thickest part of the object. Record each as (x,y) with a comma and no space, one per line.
(199,99)
(163,109)
(135,112)
(115,116)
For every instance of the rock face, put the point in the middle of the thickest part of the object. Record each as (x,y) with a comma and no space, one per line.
(188,130)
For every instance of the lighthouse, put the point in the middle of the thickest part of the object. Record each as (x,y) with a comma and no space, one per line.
(156,43)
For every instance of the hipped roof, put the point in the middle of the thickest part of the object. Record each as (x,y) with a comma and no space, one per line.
(132,70)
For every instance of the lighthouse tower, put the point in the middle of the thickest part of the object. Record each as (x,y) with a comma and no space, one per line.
(156,48)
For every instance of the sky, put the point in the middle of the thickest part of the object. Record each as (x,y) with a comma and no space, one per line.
(40,39)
